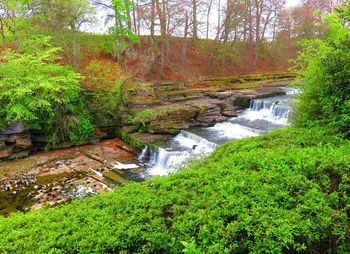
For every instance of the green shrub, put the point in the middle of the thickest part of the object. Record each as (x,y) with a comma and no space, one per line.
(43,94)
(104,91)
(325,65)
(256,195)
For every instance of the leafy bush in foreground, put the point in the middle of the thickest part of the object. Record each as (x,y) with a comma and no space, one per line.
(254,195)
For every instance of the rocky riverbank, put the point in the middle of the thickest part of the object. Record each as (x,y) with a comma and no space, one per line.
(57,176)
(30,178)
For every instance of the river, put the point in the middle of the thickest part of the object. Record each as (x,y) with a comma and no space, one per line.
(262,116)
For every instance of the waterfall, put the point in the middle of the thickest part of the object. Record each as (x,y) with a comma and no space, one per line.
(260,117)
(233,131)
(193,141)
(182,147)
(163,162)
(143,154)
(273,111)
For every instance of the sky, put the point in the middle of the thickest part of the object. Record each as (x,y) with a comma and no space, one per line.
(291,3)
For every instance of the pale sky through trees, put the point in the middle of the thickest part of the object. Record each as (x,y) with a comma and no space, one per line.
(99,25)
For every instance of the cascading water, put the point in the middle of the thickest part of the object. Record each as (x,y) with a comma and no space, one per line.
(261,117)
(166,159)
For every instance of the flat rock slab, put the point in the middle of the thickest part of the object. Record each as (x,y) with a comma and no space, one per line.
(60,174)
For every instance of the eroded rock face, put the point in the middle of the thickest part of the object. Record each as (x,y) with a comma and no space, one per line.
(15,146)
(23,141)
(176,106)
(173,119)
(183,109)
(6,151)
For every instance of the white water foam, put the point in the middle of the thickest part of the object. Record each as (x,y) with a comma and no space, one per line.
(164,162)
(273,111)
(195,142)
(233,131)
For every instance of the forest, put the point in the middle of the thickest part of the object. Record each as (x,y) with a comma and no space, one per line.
(174,126)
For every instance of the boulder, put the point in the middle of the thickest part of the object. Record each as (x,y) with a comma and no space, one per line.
(13,128)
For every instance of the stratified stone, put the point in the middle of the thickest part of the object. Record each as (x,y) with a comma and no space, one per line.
(2,144)
(145,137)
(6,152)
(10,138)
(23,141)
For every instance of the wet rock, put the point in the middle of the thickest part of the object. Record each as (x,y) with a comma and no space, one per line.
(229,113)
(220,119)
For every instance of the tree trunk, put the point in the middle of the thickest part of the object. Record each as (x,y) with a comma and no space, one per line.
(134,16)
(2,31)
(195,36)
(208,13)
(184,49)
(127,6)
(162,18)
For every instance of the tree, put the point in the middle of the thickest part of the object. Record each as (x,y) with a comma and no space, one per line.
(325,71)
(62,19)
(121,31)
(13,17)
(42,93)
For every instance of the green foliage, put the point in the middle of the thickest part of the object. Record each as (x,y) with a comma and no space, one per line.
(141,119)
(258,195)
(130,140)
(325,74)
(121,30)
(104,84)
(43,94)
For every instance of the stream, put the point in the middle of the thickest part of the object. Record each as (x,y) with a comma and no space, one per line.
(262,116)
(74,176)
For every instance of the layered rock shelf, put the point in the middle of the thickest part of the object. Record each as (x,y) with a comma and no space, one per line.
(163,108)
(156,111)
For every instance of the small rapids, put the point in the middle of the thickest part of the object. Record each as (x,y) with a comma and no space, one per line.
(262,116)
